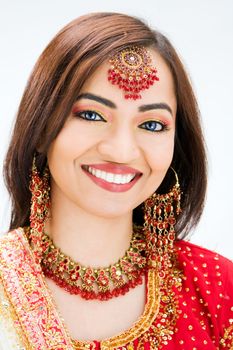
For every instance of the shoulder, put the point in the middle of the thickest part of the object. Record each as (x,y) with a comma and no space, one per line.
(208,282)
(209,271)
(203,260)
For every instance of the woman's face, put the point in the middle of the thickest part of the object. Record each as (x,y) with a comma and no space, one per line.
(113,153)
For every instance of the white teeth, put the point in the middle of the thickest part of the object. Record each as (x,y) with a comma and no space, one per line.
(109,177)
(97,173)
(118,178)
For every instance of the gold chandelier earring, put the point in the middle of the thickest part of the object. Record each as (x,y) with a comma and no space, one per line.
(160,212)
(40,203)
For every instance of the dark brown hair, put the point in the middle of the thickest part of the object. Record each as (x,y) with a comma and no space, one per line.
(71,57)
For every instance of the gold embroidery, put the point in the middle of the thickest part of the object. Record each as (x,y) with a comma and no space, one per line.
(145,321)
(25,287)
(10,322)
(83,345)
(227,340)
(163,327)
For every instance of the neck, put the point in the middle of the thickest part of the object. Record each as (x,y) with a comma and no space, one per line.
(88,239)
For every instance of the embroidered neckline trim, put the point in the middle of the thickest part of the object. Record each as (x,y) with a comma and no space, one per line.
(140,326)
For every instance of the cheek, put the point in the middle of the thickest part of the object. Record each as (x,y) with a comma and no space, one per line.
(159,157)
(159,153)
(70,144)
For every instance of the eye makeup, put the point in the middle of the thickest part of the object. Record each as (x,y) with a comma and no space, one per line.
(154,126)
(161,118)
(157,117)
(77,111)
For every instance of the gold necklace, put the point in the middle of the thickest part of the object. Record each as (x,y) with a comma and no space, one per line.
(96,283)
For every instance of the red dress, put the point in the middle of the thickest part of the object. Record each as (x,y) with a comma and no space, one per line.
(192,309)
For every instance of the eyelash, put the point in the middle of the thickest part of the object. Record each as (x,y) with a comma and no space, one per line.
(155,123)
(83,115)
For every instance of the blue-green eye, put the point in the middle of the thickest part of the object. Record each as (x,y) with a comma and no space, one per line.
(90,116)
(153,126)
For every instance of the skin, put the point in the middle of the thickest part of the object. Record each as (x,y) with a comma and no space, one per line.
(94,225)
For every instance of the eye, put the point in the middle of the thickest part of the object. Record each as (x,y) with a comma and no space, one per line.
(90,116)
(153,126)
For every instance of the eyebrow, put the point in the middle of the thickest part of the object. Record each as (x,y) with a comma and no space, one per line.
(99,99)
(151,106)
(108,103)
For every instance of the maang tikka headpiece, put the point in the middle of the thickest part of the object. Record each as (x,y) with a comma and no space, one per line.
(132,70)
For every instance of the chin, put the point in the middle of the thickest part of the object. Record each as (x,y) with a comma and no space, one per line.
(109,211)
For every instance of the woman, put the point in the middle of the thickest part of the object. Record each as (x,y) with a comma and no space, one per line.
(107,174)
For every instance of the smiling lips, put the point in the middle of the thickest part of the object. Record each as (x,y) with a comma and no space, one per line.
(113,178)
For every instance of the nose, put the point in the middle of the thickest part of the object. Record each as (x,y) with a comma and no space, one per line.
(120,146)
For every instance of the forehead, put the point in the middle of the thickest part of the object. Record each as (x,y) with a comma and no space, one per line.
(161,91)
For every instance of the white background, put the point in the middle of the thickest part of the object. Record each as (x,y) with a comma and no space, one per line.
(202,32)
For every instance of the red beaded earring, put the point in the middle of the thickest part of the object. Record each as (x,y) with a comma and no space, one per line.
(159,215)
(40,203)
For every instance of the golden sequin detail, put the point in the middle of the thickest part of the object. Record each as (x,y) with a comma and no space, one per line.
(227,340)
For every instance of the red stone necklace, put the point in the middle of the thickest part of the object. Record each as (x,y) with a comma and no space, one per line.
(96,283)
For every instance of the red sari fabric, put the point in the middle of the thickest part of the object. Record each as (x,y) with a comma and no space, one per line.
(204,302)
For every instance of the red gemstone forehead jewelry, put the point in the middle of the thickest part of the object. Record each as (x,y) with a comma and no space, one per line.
(132,70)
